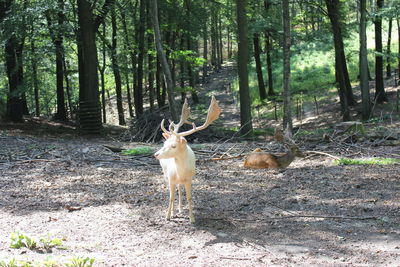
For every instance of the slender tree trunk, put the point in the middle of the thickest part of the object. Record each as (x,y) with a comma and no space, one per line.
(340,62)
(67,85)
(116,69)
(388,50)
(138,94)
(245,102)
(102,70)
(260,78)
(150,59)
(287,113)
(221,55)
(398,49)
(164,62)
(205,52)
(132,58)
(159,85)
(61,113)
(380,95)
(35,77)
(268,48)
(364,83)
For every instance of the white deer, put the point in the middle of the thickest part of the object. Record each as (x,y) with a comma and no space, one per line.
(177,159)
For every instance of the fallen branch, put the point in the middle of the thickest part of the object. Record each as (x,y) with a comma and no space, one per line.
(322,153)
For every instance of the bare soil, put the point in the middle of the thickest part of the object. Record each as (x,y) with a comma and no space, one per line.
(313,213)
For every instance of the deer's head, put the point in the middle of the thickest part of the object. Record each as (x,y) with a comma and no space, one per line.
(175,142)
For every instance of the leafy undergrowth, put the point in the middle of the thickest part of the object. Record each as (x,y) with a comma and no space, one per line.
(366,161)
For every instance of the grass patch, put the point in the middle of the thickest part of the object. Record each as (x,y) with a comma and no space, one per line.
(369,161)
(137,151)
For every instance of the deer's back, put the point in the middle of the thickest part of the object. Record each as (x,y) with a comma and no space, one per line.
(261,160)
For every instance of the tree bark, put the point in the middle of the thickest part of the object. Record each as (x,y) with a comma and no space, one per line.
(287,111)
(138,93)
(341,66)
(380,95)
(268,48)
(364,82)
(116,69)
(260,78)
(245,103)
(164,62)
(57,38)
(388,50)
(89,105)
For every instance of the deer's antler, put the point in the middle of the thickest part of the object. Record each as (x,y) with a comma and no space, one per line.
(184,117)
(213,113)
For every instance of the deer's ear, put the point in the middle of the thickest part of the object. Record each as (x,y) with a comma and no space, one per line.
(182,140)
(166,135)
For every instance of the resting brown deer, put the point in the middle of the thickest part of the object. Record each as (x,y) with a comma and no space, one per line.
(177,159)
(259,159)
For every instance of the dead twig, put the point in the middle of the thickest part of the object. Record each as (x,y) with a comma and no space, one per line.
(322,153)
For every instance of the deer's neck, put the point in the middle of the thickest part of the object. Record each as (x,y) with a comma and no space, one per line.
(286,159)
(185,161)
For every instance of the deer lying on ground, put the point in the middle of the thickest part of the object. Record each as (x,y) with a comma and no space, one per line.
(177,159)
(259,159)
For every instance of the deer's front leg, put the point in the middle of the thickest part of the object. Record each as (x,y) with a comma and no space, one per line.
(170,210)
(188,189)
(180,198)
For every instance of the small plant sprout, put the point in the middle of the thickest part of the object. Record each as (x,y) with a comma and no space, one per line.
(19,240)
(80,262)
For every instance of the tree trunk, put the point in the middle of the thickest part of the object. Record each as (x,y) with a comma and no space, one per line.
(398,49)
(260,78)
(287,111)
(164,62)
(150,59)
(245,103)
(102,70)
(57,38)
(35,78)
(128,47)
(205,52)
(345,91)
(116,69)
(388,50)
(14,107)
(268,48)
(89,105)
(138,93)
(364,83)
(380,95)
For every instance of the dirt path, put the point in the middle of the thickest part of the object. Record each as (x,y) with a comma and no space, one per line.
(312,214)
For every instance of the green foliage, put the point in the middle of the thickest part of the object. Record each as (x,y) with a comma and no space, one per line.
(369,161)
(80,262)
(137,151)
(185,89)
(48,242)
(19,240)
(188,56)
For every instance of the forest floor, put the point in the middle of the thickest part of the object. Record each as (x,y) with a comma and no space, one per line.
(110,207)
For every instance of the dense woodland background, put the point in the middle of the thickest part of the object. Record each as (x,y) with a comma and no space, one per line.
(79,60)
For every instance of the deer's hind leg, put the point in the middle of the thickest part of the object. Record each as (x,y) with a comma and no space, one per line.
(188,189)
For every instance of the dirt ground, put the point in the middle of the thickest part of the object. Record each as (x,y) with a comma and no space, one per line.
(314,213)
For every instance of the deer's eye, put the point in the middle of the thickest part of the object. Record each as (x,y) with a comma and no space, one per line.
(173,146)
